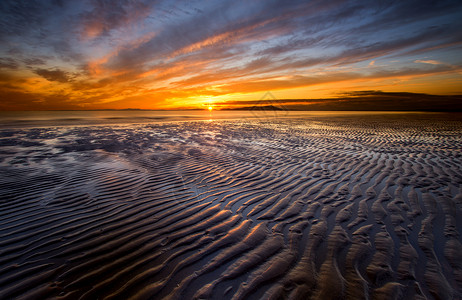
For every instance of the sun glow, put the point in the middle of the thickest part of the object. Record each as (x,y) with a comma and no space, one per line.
(210,108)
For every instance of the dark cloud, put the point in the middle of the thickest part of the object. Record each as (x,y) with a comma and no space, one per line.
(22,100)
(19,17)
(8,63)
(31,29)
(34,61)
(365,101)
(53,75)
(359,47)
(105,15)
(392,14)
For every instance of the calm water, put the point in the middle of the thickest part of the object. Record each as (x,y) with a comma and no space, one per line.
(75,118)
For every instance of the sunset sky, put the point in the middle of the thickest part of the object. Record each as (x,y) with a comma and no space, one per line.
(103,54)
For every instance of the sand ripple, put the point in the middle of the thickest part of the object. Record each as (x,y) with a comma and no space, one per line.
(319,208)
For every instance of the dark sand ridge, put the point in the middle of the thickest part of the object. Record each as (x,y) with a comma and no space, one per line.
(325,207)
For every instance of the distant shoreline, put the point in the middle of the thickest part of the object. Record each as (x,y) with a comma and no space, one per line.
(258,108)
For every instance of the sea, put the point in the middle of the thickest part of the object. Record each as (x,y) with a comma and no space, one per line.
(20,119)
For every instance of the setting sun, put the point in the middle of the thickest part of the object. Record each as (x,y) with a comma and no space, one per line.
(210,108)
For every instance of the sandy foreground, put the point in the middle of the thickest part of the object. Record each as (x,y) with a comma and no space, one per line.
(334,207)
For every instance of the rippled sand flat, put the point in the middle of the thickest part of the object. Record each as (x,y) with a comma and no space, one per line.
(333,207)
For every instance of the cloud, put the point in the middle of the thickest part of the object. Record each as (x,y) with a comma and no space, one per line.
(374,100)
(228,23)
(430,61)
(106,15)
(101,51)
(229,82)
(22,100)
(53,75)
(34,61)
(19,17)
(8,63)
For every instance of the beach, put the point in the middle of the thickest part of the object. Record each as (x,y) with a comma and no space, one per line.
(265,206)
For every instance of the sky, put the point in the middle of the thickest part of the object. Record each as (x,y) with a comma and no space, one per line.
(116,54)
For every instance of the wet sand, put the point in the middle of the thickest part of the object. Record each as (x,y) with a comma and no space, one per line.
(328,207)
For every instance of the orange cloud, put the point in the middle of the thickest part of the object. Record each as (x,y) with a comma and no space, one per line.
(430,61)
